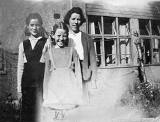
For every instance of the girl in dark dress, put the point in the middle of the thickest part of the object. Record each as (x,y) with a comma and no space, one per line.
(30,71)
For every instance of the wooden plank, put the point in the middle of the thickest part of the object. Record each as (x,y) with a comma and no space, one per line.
(150,12)
(112,7)
(153,10)
(131,13)
(144,16)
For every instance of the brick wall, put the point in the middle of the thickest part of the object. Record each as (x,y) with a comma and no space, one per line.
(8,79)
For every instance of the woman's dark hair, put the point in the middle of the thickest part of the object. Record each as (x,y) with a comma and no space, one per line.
(34,16)
(77,10)
(60,25)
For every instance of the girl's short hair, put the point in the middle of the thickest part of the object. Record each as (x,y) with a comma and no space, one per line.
(77,10)
(60,25)
(34,16)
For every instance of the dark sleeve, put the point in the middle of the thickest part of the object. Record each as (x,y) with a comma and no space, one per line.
(92,56)
(76,62)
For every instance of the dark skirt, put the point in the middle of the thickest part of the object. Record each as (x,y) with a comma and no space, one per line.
(32,90)
(31,104)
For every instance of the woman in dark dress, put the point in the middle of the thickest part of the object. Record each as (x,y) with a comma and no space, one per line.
(30,70)
(84,46)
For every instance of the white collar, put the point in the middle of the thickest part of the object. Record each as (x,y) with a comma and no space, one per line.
(74,34)
(34,39)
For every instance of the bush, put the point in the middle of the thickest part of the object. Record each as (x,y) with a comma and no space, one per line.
(145,97)
(9,110)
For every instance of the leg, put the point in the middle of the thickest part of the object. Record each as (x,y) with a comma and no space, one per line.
(30,104)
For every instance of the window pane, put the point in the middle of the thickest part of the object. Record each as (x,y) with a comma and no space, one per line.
(124,27)
(146,50)
(156,50)
(155,27)
(110,51)
(144,27)
(109,25)
(95,26)
(98,51)
(125,51)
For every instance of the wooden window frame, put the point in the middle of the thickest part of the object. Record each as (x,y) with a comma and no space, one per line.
(113,36)
(151,37)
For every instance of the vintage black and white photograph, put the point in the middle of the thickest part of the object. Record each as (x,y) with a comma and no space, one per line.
(79,60)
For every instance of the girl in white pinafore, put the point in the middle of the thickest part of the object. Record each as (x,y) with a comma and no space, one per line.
(63,81)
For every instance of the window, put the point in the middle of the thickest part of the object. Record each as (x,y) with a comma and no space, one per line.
(150,40)
(112,40)
(144,27)
(156,27)
(156,51)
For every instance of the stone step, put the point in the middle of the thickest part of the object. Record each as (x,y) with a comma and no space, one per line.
(96,114)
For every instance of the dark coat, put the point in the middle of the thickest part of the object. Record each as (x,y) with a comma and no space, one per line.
(88,65)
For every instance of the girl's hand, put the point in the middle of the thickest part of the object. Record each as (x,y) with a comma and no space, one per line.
(49,41)
(19,96)
(50,67)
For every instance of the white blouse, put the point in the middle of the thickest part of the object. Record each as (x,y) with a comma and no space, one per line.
(77,44)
